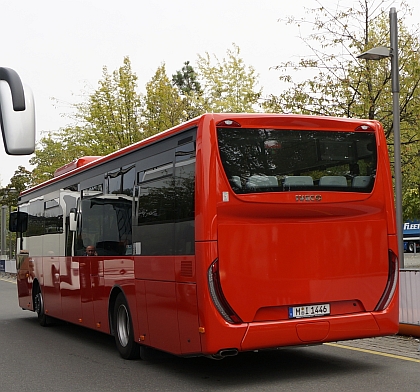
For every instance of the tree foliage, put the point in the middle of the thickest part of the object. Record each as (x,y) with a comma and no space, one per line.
(228,84)
(56,149)
(112,114)
(163,106)
(342,85)
(186,80)
(115,115)
(108,119)
(21,180)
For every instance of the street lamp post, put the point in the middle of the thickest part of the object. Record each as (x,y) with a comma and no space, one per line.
(3,233)
(377,54)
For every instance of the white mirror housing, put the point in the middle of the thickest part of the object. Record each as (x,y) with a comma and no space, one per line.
(17,114)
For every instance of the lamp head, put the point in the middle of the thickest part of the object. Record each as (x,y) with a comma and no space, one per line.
(375,53)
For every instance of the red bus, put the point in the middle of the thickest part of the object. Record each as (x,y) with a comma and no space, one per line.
(229,233)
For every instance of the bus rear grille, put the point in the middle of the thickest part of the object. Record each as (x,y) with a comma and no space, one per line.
(186,269)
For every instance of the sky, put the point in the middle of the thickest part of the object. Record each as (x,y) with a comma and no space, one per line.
(59,47)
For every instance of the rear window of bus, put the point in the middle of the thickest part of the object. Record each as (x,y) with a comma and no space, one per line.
(270,160)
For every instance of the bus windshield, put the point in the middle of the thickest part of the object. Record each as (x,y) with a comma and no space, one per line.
(270,160)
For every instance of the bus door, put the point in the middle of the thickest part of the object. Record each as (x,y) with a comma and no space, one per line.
(153,229)
(89,228)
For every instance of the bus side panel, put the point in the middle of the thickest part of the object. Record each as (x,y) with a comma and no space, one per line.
(86,292)
(70,290)
(141,334)
(52,294)
(189,336)
(112,272)
(205,191)
(100,294)
(163,316)
(166,308)
(24,279)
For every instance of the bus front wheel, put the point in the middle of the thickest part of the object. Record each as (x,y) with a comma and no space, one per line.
(123,329)
(39,307)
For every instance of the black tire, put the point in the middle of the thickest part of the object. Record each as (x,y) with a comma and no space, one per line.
(39,307)
(411,246)
(123,330)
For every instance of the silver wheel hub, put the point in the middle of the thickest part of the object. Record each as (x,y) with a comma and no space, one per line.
(123,325)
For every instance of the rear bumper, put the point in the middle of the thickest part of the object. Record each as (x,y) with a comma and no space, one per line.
(313,331)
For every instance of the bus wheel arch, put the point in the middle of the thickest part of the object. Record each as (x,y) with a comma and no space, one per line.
(122,326)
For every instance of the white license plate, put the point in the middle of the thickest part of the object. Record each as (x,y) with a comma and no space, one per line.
(309,311)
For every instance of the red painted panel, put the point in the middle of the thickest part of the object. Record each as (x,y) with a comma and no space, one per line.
(74,165)
(267,260)
(52,295)
(277,334)
(142,333)
(162,316)
(24,279)
(217,333)
(154,267)
(313,331)
(185,268)
(100,303)
(205,186)
(188,318)
(86,292)
(70,290)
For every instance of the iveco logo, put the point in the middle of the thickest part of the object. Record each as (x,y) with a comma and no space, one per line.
(308,197)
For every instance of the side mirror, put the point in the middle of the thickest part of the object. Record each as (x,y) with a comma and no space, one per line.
(17,114)
(18,222)
(73,219)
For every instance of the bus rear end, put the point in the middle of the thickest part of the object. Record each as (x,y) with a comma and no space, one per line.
(296,233)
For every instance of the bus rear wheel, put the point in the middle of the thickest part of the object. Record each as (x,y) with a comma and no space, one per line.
(123,330)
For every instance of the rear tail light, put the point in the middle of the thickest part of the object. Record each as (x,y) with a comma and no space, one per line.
(217,295)
(391,284)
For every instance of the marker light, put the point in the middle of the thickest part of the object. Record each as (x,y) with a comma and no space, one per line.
(228,123)
(364,128)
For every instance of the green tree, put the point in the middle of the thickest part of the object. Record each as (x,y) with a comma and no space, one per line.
(115,115)
(111,116)
(190,90)
(56,149)
(341,85)
(109,119)
(228,85)
(20,181)
(186,80)
(163,106)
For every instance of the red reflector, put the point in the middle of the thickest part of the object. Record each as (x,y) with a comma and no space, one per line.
(391,285)
(228,123)
(216,293)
